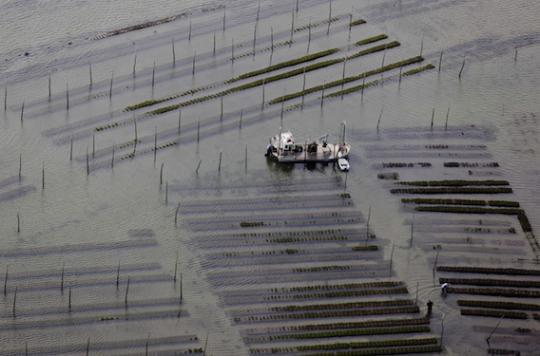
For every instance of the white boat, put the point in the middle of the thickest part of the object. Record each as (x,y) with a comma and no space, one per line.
(283,149)
(343,164)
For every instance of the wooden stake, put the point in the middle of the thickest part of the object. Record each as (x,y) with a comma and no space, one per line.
(18,223)
(193,69)
(5,99)
(110,86)
(20,167)
(90,78)
(161,174)
(153,74)
(461,70)
(263,95)
(271,41)
(62,279)
(363,86)
(219,164)
(22,114)
(214,49)
(303,87)
(515,54)
(412,232)
(322,95)
(173,53)
(241,117)
(43,175)
(245,159)
(179,121)
(112,159)
(205,344)
(166,193)
(198,166)
(69,300)
(422,46)
(221,109)
(329,17)
(14,302)
(67,96)
(50,88)
(87,163)
(189,31)
(440,61)
(88,347)
(400,75)
(281,115)
(93,145)
(198,130)
(350,25)
(297,5)
(343,77)
(224,19)
(175,267)
(309,36)
(71,149)
(446,122)
(391,260)
(254,39)
(127,293)
(432,118)
(181,288)
(232,51)
(292,30)
(118,275)
(176,215)
(155,145)
(379,119)
(367,224)
(134,65)
(6,280)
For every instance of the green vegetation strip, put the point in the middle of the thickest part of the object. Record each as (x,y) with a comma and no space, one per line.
(374,303)
(496,203)
(497,292)
(491,282)
(346,80)
(452,190)
(490,270)
(274,67)
(349,345)
(356,332)
(497,305)
(454,183)
(494,313)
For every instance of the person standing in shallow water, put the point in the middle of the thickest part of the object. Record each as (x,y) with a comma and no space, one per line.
(429,309)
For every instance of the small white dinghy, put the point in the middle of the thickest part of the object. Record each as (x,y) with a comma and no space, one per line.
(343,164)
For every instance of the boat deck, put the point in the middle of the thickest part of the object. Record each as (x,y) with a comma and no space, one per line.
(326,154)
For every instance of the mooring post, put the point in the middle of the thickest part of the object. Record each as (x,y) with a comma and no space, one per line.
(432,118)
(446,121)
(173,53)
(20,167)
(292,29)
(67,96)
(329,17)
(440,61)
(219,164)
(6,280)
(50,88)
(134,65)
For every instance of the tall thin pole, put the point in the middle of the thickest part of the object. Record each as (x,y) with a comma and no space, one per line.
(461,70)
(440,61)
(87,162)
(43,175)
(112,159)
(193,68)
(111,84)
(329,17)
(309,36)
(71,149)
(179,121)
(189,31)
(126,295)
(219,164)
(14,303)
(241,117)
(18,223)
(224,19)
(214,48)
(155,145)
(134,65)
(6,280)
(153,74)
(90,78)
(232,51)
(22,114)
(5,99)
(446,121)
(67,96)
(292,29)
(50,88)
(221,109)
(432,118)
(93,145)
(173,53)
(20,167)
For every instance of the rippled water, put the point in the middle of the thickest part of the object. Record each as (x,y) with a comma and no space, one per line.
(498,90)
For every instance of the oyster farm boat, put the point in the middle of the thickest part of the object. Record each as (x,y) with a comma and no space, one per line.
(283,149)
